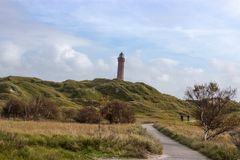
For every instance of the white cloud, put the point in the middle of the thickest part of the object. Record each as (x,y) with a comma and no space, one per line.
(163,78)
(38,50)
(227,73)
(49,53)
(10,54)
(232,7)
(102,65)
(166,74)
(68,56)
(229,67)
(165,62)
(193,71)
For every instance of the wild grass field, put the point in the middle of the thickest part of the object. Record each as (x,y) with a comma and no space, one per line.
(62,140)
(190,134)
(29,140)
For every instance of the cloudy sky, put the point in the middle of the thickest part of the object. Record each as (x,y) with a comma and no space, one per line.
(169,44)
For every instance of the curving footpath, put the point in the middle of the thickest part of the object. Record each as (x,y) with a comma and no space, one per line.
(173,150)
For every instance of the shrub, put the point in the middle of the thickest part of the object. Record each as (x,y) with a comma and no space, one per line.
(69,114)
(42,108)
(38,108)
(14,108)
(118,112)
(88,115)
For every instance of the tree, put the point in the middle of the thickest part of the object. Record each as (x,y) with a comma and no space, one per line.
(212,108)
(118,112)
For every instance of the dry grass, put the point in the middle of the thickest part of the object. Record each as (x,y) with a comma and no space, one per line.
(25,138)
(193,131)
(184,128)
(190,134)
(59,128)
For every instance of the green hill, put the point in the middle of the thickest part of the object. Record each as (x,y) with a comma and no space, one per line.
(147,101)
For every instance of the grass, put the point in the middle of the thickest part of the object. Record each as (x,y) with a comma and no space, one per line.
(190,134)
(54,140)
(116,140)
(59,128)
(76,94)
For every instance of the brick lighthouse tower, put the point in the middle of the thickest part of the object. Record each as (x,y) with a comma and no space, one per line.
(120,71)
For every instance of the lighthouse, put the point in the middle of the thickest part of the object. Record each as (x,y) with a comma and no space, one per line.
(120,70)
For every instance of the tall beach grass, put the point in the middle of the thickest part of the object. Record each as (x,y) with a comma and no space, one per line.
(28,140)
(189,134)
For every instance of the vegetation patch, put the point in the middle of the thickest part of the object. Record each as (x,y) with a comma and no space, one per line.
(220,149)
(83,142)
(148,102)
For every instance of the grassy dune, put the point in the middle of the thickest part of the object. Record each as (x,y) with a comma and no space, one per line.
(149,103)
(190,134)
(83,140)
(20,140)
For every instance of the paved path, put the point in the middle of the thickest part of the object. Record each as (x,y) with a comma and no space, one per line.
(172,150)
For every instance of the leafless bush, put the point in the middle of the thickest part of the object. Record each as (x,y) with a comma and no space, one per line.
(69,114)
(37,108)
(42,108)
(88,115)
(14,108)
(118,112)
